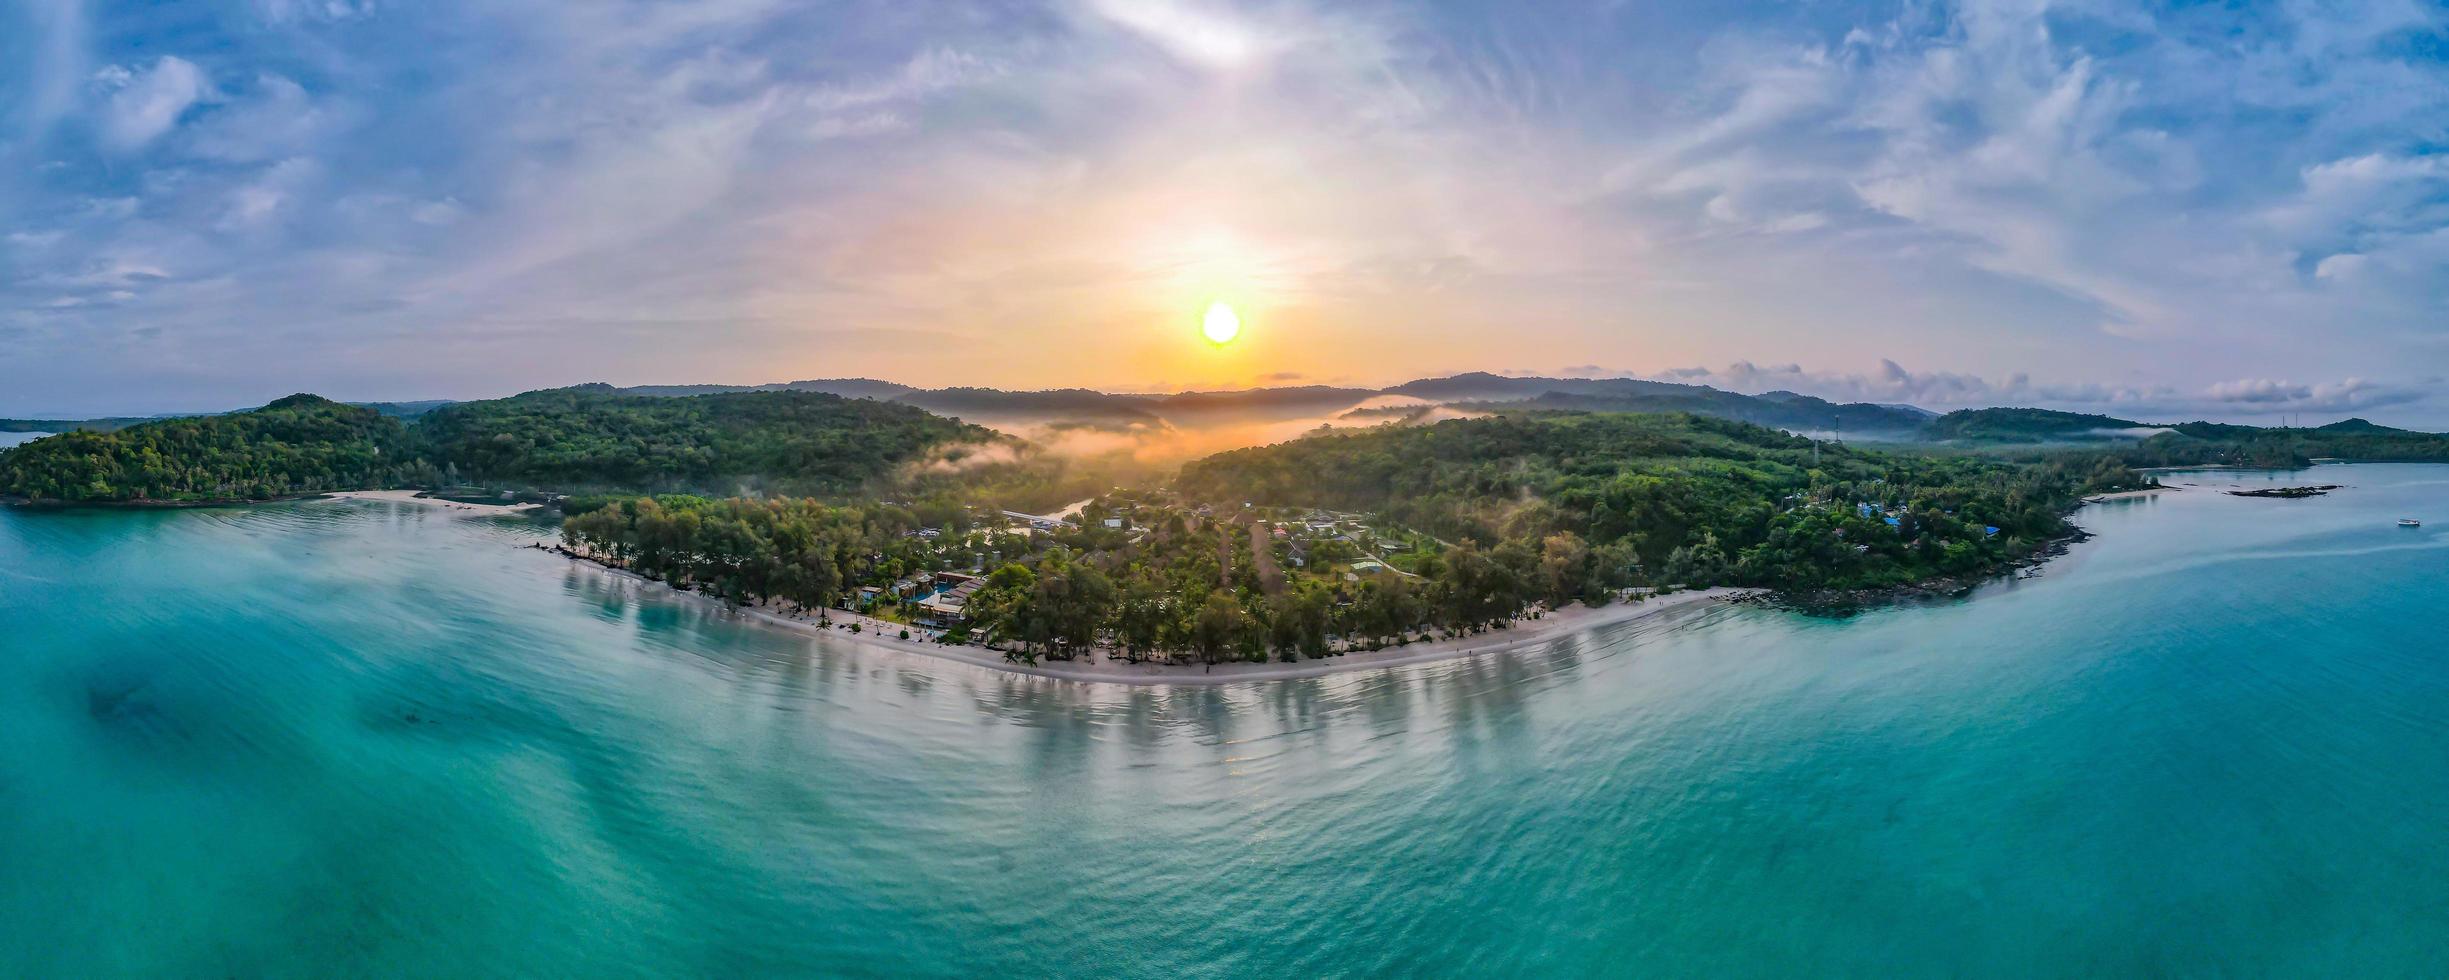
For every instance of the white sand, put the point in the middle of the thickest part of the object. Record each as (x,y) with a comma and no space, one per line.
(879,635)
(410,497)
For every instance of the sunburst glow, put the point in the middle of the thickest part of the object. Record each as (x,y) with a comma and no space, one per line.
(1221,324)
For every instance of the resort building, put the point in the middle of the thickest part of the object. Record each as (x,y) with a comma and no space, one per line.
(949,604)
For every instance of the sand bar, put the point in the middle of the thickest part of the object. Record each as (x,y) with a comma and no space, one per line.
(410,497)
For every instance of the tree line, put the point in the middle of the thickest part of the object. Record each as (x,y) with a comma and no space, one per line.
(561,440)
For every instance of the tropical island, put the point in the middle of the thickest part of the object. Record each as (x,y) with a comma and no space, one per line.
(1404,526)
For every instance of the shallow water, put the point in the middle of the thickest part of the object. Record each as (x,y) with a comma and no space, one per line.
(369,739)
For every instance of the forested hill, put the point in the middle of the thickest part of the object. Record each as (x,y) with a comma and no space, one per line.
(69,425)
(592,438)
(2187,443)
(1692,499)
(567,440)
(1783,410)
(299,444)
(2030,425)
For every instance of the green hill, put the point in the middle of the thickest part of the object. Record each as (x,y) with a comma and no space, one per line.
(1688,498)
(566,440)
(1777,409)
(299,444)
(592,438)
(1781,410)
(2028,425)
(2358,427)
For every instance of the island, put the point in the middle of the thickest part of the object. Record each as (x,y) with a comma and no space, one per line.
(2287,493)
(1467,528)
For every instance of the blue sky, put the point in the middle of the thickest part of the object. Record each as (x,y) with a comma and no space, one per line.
(2167,210)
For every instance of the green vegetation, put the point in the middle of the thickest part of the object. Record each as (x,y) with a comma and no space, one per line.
(590,438)
(1997,430)
(69,425)
(2032,433)
(563,440)
(1344,540)
(1678,499)
(798,550)
(2208,443)
(1782,409)
(1171,584)
(1381,536)
(2028,425)
(299,444)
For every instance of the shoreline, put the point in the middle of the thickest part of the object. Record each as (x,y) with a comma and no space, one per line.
(412,497)
(1096,668)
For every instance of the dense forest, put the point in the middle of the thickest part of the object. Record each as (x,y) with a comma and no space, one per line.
(1691,499)
(2033,433)
(591,438)
(1356,540)
(1345,539)
(2028,425)
(1178,585)
(1784,410)
(563,440)
(69,425)
(299,444)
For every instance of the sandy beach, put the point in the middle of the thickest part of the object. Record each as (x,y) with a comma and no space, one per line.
(882,636)
(410,497)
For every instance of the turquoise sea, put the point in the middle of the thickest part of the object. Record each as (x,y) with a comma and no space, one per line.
(369,740)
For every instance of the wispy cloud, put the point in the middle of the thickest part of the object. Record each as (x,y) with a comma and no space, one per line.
(144,103)
(451,198)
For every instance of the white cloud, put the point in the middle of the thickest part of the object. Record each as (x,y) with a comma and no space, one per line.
(275,119)
(145,104)
(1192,31)
(261,201)
(2187,194)
(2351,394)
(312,11)
(437,213)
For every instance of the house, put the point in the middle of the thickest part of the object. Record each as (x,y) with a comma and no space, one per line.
(950,604)
(1114,523)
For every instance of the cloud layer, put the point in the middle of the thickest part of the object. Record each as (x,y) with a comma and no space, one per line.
(2159,205)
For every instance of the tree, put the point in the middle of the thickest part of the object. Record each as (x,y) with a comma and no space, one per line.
(1564,567)
(1223,629)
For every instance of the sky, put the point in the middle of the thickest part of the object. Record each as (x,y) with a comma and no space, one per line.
(2161,211)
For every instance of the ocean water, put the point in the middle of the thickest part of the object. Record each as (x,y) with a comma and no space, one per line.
(8,439)
(369,740)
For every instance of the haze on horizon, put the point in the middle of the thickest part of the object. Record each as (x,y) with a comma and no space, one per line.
(2157,211)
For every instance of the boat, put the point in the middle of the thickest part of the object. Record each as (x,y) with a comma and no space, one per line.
(2409,522)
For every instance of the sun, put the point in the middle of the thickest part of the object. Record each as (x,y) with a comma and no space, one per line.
(1220,325)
